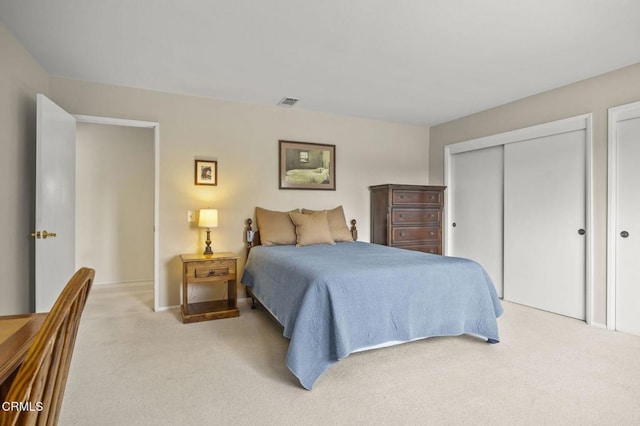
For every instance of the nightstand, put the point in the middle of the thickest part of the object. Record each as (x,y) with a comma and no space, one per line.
(218,268)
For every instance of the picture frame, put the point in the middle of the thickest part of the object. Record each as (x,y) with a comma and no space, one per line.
(307,165)
(206,172)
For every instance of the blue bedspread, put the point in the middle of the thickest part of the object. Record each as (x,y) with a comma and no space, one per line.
(335,300)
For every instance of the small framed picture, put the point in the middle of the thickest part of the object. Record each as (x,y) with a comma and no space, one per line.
(206,172)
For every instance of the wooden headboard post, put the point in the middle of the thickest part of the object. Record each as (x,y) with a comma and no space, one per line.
(250,234)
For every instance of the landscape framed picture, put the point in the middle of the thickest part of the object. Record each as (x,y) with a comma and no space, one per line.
(206,172)
(306,165)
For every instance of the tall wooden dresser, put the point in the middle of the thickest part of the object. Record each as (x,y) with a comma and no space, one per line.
(407,216)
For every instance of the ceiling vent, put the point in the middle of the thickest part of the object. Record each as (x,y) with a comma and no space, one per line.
(287,102)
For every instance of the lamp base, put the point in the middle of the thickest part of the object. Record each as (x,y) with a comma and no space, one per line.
(207,249)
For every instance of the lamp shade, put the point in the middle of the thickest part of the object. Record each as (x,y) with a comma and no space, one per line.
(208,218)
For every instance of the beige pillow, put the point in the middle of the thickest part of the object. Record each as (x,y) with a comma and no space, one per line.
(275,227)
(337,224)
(312,228)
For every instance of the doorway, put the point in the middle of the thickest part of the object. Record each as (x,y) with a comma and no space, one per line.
(117,204)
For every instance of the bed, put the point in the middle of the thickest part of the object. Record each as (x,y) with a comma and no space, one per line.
(336,299)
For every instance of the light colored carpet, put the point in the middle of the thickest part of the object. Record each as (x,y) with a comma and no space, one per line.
(132,366)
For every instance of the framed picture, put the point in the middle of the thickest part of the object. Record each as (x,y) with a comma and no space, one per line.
(305,165)
(206,172)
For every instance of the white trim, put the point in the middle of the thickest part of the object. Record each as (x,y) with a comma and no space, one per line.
(114,121)
(166,308)
(149,280)
(580,122)
(590,241)
(598,325)
(156,198)
(615,115)
(565,125)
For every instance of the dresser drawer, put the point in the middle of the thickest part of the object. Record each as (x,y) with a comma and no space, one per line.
(415,234)
(211,269)
(415,216)
(426,248)
(423,198)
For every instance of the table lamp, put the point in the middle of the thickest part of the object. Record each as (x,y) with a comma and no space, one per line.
(208,218)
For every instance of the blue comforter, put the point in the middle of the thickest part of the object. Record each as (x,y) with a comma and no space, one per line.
(335,300)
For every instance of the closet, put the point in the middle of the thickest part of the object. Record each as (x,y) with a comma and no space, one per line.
(477,200)
(623,246)
(518,207)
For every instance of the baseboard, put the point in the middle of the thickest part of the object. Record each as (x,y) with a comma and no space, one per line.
(166,308)
(150,280)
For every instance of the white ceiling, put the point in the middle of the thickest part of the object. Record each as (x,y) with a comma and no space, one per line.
(412,61)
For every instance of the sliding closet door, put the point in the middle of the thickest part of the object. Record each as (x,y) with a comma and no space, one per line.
(544,223)
(475,200)
(627,231)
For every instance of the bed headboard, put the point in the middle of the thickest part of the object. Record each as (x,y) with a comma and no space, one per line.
(253,237)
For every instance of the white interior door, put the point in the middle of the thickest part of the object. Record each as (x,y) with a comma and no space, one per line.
(545,211)
(476,209)
(627,230)
(55,201)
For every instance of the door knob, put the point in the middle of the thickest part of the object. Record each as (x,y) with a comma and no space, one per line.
(581,231)
(624,234)
(46,234)
(43,235)
(453,224)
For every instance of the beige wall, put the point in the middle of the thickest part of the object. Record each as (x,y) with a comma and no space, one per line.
(244,140)
(20,79)
(114,201)
(595,96)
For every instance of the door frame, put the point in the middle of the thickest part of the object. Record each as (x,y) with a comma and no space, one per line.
(615,115)
(579,122)
(89,119)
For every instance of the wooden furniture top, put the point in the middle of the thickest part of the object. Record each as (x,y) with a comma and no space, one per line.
(17,332)
(197,257)
(410,187)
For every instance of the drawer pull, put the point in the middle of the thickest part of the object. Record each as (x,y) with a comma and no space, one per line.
(431,233)
(204,273)
(402,234)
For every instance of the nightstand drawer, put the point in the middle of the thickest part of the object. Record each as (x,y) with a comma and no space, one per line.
(211,269)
